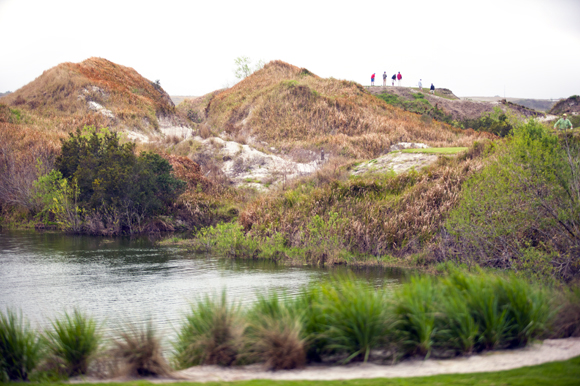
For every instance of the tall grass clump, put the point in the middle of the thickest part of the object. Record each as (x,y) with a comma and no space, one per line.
(73,342)
(210,334)
(508,311)
(309,305)
(415,310)
(567,320)
(139,351)
(274,334)
(20,347)
(356,318)
(458,329)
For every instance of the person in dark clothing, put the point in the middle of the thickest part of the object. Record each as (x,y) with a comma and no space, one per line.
(393,78)
(432,89)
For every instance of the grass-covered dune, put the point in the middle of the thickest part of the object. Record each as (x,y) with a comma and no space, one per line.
(63,94)
(292,107)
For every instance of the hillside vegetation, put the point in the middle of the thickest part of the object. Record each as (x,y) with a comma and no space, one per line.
(289,106)
(67,90)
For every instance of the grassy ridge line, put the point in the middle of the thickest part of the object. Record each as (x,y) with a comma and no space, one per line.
(292,107)
(555,373)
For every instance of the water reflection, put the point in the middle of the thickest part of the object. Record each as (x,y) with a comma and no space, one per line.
(120,280)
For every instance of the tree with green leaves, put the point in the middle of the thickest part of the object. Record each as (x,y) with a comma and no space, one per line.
(109,175)
(244,67)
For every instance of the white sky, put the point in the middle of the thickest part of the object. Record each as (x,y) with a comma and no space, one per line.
(475,48)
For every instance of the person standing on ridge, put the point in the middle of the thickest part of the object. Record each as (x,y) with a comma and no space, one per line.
(373,79)
(384,79)
(393,78)
(563,123)
(399,77)
(432,89)
(420,85)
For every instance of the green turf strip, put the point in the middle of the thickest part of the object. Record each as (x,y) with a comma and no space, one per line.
(436,150)
(551,374)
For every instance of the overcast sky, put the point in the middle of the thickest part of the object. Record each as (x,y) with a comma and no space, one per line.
(475,48)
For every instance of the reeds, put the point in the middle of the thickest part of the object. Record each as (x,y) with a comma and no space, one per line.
(73,341)
(211,334)
(20,347)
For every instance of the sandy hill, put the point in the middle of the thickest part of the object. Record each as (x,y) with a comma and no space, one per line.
(290,107)
(569,105)
(94,91)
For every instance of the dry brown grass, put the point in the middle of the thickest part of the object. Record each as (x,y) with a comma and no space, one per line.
(138,352)
(377,215)
(61,95)
(285,104)
(277,343)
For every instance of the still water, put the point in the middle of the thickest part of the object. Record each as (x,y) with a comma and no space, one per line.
(121,280)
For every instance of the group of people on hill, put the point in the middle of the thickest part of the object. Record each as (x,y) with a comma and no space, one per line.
(398,77)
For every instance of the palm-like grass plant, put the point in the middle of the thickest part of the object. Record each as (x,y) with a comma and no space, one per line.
(20,347)
(73,341)
(210,334)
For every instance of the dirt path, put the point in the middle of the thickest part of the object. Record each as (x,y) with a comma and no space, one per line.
(551,350)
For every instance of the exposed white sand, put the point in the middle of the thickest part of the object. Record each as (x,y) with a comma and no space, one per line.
(550,350)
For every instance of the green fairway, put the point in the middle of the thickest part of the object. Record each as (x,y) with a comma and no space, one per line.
(436,150)
(552,374)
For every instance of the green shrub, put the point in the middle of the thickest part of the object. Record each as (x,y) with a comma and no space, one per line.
(522,211)
(414,309)
(210,334)
(20,347)
(109,173)
(356,317)
(73,342)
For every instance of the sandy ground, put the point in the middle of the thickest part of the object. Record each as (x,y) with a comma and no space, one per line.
(550,350)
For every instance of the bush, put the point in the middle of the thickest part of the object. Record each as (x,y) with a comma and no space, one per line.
(140,353)
(73,342)
(20,347)
(110,174)
(211,334)
(521,212)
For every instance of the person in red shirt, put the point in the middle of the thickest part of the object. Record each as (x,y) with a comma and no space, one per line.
(373,79)
(399,77)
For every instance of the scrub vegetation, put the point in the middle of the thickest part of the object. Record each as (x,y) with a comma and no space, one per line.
(337,321)
(293,108)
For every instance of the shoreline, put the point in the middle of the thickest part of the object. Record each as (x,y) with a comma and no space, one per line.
(550,350)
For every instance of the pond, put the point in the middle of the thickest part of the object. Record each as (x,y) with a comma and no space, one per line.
(122,280)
